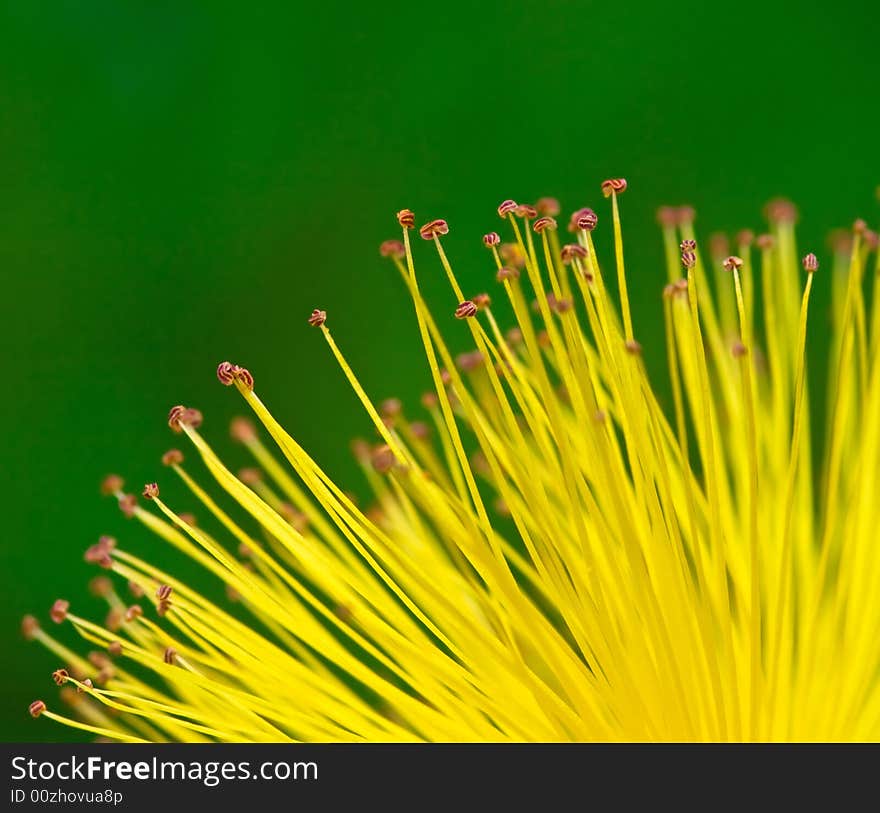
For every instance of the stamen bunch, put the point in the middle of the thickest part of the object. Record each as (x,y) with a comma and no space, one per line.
(556,552)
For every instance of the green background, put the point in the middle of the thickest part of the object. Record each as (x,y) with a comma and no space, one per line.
(181,183)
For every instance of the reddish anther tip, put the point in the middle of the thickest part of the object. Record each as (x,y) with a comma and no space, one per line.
(732,263)
(482,301)
(765,241)
(547,206)
(667,217)
(163,607)
(250,476)
(36,708)
(59,610)
(613,186)
(383,459)
(86,684)
(811,263)
(738,349)
(745,237)
(226,373)
(173,457)
(491,239)
(780,210)
(527,212)
(406,218)
(871,238)
(584,219)
(163,592)
(420,430)
(860,226)
(505,272)
(115,648)
(111,484)
(466,310)
(99,554)
(429,400)
(514,336)
(60,676)
(633,347)
(135,589)
(572,250)
(170,655)
(114,619)
(242,430)
(100,586)
(719,245)
(688,259)
(317,318)
(468,362)
(133,612)
(392,248)
(151,491)
(29,627)
(434,228)
(174,416)
(544,223)
(390,408)
(506,207)
(688,245)
(128,505)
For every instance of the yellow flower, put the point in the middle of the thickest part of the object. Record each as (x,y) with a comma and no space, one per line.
(570,557)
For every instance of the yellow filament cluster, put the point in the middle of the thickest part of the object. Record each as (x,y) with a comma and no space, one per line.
(611,565)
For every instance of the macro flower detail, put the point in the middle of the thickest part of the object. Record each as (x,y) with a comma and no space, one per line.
(555,546)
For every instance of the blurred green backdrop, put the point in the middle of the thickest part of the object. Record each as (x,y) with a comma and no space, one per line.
(182,182)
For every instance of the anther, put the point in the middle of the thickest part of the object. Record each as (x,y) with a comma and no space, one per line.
(115,618)
(738,349)
(745,237)
(242,430)
(390,408)
(613,186)
(115,648)
(36,708)
(111,484)
(491,239)
(420,430)
(514,336)
(859,226)
(688,259)
(506,207)
(135,589)
(719,245)
(585,219)
(633,347)
(392,248)
(429,400)
(765,241)
(811,263)
(58,613)
(406,218)
(133,612)
(688,245)
(383,459)
(151,491)
(512,255)
(434,228)
(572,250)
(86,684)
(732,263)
(527,212)
(317,318)
(547,206)
(667,217)
(226,373)
(250,476)
(544,223)
(29,627)
(780,210)
(60,676)
(163,592)
(468,362)
(100,587)
(466,310)
(685,215)
(173,457)
(505,272)
(163,607)
(482,301)
(170,655)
